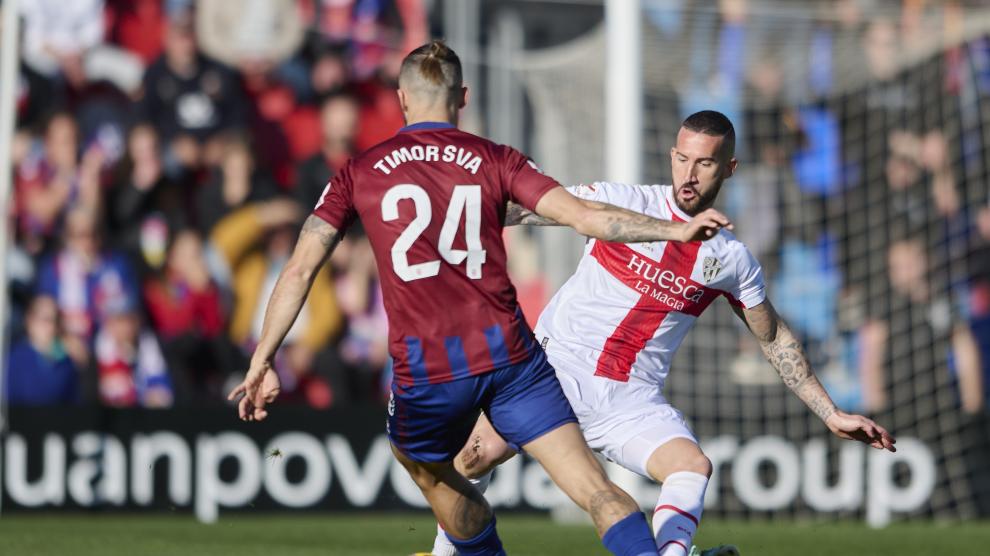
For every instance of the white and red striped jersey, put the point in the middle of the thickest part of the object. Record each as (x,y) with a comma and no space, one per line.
(628,307)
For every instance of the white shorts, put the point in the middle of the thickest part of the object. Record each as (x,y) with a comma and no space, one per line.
(624,421)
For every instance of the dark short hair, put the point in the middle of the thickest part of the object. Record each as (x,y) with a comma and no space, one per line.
(715,124)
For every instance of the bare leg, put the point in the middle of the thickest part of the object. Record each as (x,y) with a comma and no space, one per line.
(684,471)
(679,454)
(485,450)
(566,457)
(459,508)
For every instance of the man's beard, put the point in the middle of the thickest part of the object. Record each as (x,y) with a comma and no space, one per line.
(699,203)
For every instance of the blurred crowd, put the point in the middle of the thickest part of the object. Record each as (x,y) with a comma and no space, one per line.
(166,153)
(863,186)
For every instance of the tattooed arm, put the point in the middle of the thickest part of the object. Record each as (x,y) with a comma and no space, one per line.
(260,386)
(612,223)
(784,352)
(517,215)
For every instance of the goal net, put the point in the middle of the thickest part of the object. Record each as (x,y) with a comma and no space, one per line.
(862,139)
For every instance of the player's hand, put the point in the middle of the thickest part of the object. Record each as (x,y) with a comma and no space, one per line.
(705,225)
(259,388)
(857,427)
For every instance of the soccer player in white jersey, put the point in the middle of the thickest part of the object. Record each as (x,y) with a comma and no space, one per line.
(612,330)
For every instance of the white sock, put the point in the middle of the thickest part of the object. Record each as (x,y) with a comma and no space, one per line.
(678,512)
(442,545)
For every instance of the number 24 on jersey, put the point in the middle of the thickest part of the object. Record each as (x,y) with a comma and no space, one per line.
(466,200)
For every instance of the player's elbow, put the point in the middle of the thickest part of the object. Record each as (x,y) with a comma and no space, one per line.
(297,271)
(586,220)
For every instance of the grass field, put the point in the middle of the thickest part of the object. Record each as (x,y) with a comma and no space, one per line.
(401,534)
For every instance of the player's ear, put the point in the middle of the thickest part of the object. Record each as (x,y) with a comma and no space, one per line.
(463,98)
(730,168)
(403,101)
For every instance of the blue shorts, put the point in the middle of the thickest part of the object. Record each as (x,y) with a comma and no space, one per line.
(432,422)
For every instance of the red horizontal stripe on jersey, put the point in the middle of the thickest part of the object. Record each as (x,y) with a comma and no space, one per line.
(665,286)
(667,281)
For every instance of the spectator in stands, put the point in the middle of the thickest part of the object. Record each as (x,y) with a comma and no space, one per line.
(188,98)
(252,35)
(338,128)
(718,63)
(57,35)
(137,26)
(51,178)
(357,365)
(380,114)
(882,49)
(235,182)
(145,204)
(368,28)
(979,296)
(909,337)
(130,366)
(84,279)
(39,372)
(283,131)
(847,60)
(329,74)
(36,97)
(933,153)
(256,242)
(186,310)
(259,39)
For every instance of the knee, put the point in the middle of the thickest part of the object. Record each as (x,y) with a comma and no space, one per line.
(482,454)
(699,463)
(662,465)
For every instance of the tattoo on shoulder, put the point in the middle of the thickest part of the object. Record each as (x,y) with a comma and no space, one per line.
(327,234)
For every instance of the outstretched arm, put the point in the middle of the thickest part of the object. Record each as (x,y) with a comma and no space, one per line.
(785,353)
(260,386)
(518,215)
(612,223)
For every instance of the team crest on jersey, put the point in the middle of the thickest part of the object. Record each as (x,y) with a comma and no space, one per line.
(711,268)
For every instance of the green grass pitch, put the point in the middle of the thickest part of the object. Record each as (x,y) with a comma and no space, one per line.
(370,534)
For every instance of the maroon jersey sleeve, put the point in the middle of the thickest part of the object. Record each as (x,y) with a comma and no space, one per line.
(336,204)
(525,182)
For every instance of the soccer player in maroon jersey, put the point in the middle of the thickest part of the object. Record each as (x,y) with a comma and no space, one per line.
(432,200)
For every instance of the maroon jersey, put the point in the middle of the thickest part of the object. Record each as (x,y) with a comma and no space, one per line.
(432,200)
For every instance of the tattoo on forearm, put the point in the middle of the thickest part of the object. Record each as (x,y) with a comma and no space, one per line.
(325,232)
(517,215)
(787,356)
(626,226)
